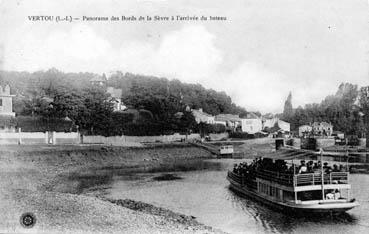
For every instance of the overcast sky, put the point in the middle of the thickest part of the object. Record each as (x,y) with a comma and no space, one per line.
(263,50)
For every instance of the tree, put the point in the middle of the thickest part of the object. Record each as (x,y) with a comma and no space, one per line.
(364,103)
(96,115)
(338,109)
(288,110)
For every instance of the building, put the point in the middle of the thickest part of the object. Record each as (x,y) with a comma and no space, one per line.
(203,117)
(6,102)
(276,122)
(7,116)
(99,80)
(231,121)
(116,98)
(316,129)
(115,94)
(305,130)
(322,128)
(251,124)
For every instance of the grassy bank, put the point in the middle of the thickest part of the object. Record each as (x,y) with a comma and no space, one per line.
(50,181)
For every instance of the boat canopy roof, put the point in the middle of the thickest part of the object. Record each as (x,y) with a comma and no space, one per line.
(288,153)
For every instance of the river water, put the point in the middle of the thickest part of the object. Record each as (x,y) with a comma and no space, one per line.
(205,195)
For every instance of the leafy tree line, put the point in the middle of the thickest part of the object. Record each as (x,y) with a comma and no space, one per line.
(193,95)
(346,110)
(157,106)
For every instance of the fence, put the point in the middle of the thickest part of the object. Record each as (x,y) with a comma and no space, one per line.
(11,138)
(75,138)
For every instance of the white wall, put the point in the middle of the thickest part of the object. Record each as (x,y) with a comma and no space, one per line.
(39,138)
(251,125)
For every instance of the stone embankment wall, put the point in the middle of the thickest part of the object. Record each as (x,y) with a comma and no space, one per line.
(137,140)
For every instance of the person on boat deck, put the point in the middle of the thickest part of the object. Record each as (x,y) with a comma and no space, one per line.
(335,168)
(303,168)
(235,169)
(329,196)
(337,194)
(316,167)
(327,169)
(310,166)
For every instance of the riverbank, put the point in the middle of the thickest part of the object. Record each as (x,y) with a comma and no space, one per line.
(51,182)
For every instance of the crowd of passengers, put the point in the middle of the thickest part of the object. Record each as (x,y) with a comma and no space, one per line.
(281,166)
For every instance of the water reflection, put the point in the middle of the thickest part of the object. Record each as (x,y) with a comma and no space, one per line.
(275,221)
(206,195)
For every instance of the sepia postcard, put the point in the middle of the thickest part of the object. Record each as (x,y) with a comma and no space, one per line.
(184,116)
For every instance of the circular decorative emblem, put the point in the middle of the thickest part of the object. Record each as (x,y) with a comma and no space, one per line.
(28,220)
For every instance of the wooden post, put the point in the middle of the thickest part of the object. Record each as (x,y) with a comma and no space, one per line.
(322,172)
(19,136)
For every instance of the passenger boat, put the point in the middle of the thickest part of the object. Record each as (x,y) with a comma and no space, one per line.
(307,193)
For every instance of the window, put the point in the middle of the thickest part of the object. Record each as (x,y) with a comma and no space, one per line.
(1,102)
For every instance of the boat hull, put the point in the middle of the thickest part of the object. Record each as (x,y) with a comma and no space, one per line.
(311,209)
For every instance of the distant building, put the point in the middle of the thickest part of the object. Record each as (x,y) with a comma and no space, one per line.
(251,124)
(99,80)
(305,130)
(322,128)
(203,117)
(116,94)
(231,121)
(7,119)
(316,129)
(116,98)
(6,102)
(276,122)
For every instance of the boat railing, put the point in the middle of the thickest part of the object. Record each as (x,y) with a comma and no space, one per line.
(279,177)
(296,180)
(316,178)
(242,180)
(235,177)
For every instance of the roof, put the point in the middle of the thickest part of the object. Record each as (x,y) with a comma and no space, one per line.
(288,153)
(98,78)
(227,117)
(325,124)
(115,93)
(252,115)
(198,112)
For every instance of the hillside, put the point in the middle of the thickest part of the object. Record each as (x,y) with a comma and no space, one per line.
(25,84)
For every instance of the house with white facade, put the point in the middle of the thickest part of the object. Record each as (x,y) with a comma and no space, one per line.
(6,101)
(276,122)
(203,117)
(231,121)
(305,130)
(251,124)
(116,98)
(7,116)
(322,128)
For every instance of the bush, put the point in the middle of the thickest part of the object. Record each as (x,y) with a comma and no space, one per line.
(39,124)
(209,128)
(241,135)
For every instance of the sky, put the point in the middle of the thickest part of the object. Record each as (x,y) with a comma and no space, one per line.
(264,50)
